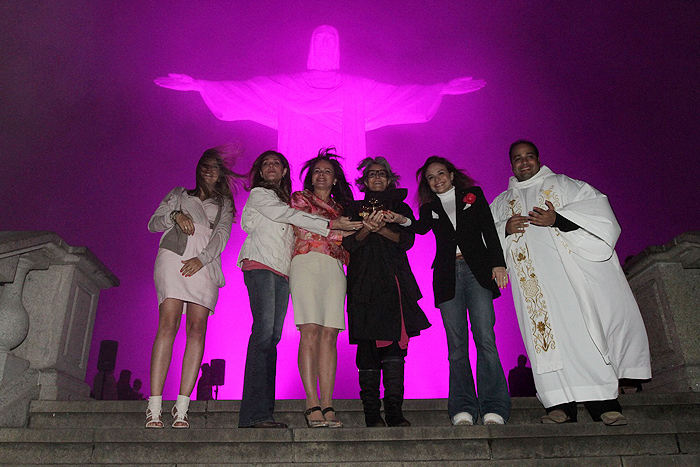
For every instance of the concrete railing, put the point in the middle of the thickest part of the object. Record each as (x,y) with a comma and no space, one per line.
(48,299)
(666,282)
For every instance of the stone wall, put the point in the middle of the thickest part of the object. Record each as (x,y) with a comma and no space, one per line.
(48,302)
(666,282)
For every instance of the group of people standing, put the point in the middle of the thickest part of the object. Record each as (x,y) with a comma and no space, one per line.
(300,242)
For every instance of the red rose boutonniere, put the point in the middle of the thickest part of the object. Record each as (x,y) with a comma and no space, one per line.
(469,199)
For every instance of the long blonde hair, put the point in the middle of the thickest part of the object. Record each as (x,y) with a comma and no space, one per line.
(224,156)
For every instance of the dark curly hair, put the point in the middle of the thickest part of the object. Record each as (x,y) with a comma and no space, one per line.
(341,192)
(461,180)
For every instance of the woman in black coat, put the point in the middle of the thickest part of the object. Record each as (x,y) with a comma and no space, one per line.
(382,293)
(468,270)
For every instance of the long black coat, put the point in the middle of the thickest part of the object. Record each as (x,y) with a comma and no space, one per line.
(376,263)
(476,236)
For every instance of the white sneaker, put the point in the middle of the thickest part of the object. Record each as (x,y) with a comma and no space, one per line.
(463,419)
(493,419)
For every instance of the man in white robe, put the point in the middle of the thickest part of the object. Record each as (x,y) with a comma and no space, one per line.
(579,320)
(320,107)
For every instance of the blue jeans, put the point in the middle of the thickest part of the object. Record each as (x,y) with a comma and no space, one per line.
(493,391)
(269,297)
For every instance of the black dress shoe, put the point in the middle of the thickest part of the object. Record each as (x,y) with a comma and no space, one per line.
(270,424)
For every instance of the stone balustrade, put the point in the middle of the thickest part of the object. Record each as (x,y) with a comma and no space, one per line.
(666,282)
(48,298)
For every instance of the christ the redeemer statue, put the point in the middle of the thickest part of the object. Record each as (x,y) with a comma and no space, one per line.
(320,107)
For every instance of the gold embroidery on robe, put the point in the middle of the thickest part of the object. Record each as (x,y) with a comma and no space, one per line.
(548,195)
(515,209)
(542,334)
(552,197)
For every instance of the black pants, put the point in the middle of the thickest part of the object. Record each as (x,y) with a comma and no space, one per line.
(370,357)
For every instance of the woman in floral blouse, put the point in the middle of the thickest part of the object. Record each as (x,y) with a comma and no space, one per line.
(317,283)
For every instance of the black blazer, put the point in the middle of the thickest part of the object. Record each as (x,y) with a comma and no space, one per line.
(476,236)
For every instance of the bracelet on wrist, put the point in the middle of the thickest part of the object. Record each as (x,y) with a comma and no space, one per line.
(173,215)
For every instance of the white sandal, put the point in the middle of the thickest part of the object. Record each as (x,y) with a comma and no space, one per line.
(153,419)
(180,420)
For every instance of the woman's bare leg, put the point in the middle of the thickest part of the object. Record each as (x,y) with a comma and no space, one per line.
(328,361)
(168,325)
(308,365)
(196,327)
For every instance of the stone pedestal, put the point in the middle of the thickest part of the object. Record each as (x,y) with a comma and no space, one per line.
(48,301)
(666,282)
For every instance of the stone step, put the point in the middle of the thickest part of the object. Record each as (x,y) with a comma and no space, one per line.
(423,412)
(670,442)
(663,428)
(612,461)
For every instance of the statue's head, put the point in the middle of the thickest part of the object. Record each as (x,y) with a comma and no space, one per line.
(324,53)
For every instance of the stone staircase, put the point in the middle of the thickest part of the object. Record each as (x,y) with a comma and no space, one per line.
(664,430)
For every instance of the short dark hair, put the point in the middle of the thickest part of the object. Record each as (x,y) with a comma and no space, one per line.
(341,192)
(366,163)
(461,179)
(523,141)
(283,190)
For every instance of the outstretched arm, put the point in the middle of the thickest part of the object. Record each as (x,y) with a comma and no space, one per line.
(178,82)
(420,226)
(462,85)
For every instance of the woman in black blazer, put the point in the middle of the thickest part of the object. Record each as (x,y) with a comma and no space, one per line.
(468,270)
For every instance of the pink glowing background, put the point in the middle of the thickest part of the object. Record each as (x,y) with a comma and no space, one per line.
(89,145)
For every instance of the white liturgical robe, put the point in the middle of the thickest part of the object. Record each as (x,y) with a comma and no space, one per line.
(578,317)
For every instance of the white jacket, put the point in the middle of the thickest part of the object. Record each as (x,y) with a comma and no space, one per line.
(210,256)
(270,240)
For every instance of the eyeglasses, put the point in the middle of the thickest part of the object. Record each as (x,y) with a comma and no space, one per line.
(377,174)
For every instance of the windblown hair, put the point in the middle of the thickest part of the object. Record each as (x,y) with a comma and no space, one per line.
(523,141)
(460,181)
(366,163)
(283,189)
(341,192)
(224,156)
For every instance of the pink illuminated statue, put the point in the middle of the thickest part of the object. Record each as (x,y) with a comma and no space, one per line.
(320,107)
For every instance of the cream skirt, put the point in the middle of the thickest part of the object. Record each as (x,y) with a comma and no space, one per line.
(317,283)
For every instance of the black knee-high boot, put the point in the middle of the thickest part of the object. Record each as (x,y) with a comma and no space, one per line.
(393,392)
(369,393)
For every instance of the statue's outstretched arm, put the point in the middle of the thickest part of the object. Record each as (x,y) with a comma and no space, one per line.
(462,86)
(178,82)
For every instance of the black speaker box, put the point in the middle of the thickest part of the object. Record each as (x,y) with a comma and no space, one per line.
(218,367)
(107,359)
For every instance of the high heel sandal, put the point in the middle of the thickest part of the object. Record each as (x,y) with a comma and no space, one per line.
(154,420)
(314,423)
(334,422)
(180,420)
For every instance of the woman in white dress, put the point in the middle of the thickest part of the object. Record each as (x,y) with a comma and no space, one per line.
(188,282)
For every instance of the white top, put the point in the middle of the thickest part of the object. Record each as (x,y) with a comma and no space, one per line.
(270,239)
(449,204)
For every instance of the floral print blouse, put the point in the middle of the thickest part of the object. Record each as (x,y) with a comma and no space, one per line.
(307,241)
